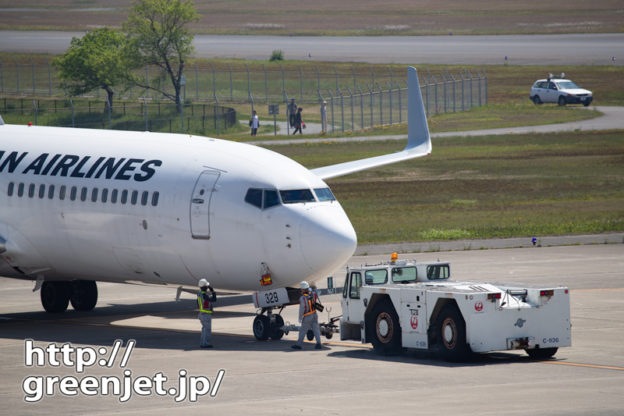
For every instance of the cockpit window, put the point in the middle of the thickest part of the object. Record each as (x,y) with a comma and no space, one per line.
(296,196)
(324,194)
(254,197)
(270,198)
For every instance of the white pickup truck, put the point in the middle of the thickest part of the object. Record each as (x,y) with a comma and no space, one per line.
(414,305)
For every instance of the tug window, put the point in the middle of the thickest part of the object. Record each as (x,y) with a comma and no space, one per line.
(376,277)
(403,274)
(356,283)
(438,272)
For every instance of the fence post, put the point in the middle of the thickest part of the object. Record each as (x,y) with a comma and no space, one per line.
(336,74)
(248,83)
(332,109)
(341,108)
(283,80)
(390,101)
(49,79)
(71,102)
(380,105)
(35,110)
(145,112)
(266,84)
(354,78)
(196,83)
(110,110)
(217,115)
(318,80)
(361,108)
(352,120)
(18,76)
(1,78)
(32,72)
(486,87)
(146,81)
(372,102)
(231,85)
(300,83)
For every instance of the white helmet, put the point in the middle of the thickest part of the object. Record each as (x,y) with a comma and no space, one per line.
(203,282)
(304,285)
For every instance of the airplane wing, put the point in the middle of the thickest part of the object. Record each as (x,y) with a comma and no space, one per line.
(418,140)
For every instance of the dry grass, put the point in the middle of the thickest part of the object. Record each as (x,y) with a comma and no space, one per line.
(347,17)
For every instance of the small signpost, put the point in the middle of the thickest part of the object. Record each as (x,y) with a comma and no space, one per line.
(274,109)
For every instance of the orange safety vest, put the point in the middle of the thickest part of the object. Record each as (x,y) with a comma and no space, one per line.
(204,304)
(309,304)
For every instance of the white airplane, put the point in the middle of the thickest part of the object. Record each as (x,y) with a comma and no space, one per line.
(79,206)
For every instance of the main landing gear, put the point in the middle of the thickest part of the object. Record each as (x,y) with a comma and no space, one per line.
(56,295)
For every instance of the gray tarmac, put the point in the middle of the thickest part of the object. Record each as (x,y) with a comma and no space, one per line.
(345,378)
(566,49)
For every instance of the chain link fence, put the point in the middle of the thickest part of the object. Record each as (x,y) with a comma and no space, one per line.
(357,97)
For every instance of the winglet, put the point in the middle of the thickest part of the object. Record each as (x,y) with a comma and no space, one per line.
(418,140)
(417,127)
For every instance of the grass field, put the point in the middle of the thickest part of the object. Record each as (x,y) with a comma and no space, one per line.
(347,17)
(502,186)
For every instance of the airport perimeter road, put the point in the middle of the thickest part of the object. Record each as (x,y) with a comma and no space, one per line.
(571,49)
(346,378)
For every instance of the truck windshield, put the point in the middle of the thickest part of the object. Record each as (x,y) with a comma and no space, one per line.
(403,274)
(376,277)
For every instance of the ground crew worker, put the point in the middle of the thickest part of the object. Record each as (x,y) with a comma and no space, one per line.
(204,301)
(308,316)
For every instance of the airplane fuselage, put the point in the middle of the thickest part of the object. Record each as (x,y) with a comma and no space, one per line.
(162,208)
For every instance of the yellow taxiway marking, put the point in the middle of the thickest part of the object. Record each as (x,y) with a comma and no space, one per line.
(602,367)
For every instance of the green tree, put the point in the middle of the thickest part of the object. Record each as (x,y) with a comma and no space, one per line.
(97,60)
(157,31)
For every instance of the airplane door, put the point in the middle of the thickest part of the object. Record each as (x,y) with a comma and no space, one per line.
(200,204)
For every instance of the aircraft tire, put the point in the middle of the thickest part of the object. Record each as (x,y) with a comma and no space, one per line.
(261,327)
(84,295)
(55,296)
(276,328)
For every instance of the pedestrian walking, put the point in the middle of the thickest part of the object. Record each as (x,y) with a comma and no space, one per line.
(308,316)
(298,121)
(291,109)
(254,123)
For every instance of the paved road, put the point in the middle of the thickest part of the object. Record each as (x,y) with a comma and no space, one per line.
(612,119)
(347,378)
(572,49)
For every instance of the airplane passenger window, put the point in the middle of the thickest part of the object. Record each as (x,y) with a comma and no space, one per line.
(62,192)
(51,192)
(94,195)
(296,196)
(254,197)
(324,194)
(124,196)
(31,190)
(134,198)
(41,191)
(270,198)
(104,194)
(10,190)
(73,193)
(155,199)
(114,193)
(144,197)
(83,194)
(20,190)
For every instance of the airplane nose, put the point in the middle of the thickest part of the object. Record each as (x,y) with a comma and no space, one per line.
(327,238)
